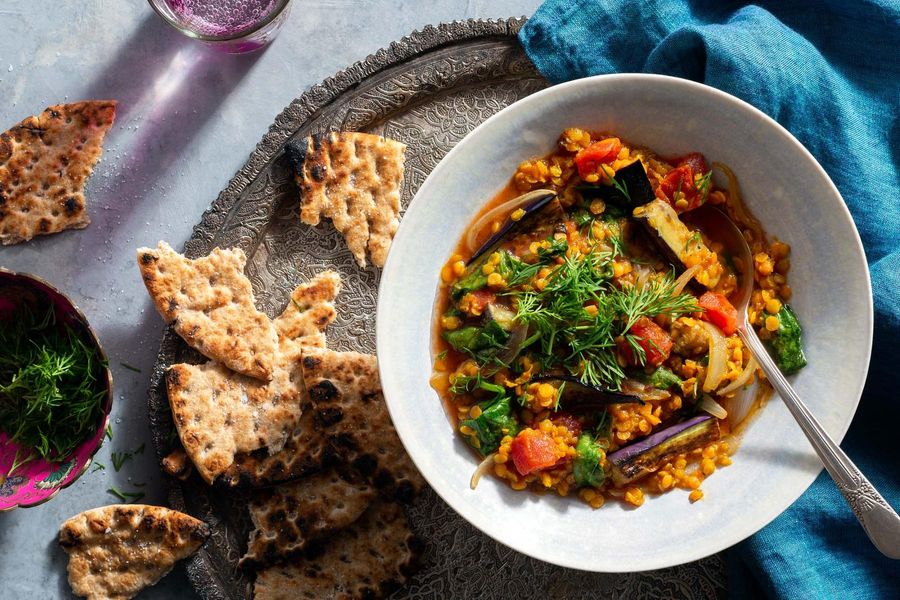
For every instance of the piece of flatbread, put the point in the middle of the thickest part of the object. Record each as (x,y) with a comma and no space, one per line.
(347,423)
(310,310)
(209,301)
(289,516)
(116,551)
(219,413)
(367,560)
(45,162)
(302,455)
(354,179)
(177,464)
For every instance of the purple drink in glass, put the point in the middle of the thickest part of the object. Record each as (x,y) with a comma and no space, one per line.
(233,25)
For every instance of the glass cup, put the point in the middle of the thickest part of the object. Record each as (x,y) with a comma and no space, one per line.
(233,26)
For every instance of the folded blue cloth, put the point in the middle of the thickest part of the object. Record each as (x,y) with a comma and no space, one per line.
(829,71)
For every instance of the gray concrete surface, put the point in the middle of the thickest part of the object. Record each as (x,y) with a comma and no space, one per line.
(188,118)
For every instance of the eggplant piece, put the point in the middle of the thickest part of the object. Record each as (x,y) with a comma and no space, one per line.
(646,456)
(681,245)
(497,315)
(631,188)
(578,396)
(541,198)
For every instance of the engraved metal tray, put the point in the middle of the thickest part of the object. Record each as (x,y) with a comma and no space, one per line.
(428,90)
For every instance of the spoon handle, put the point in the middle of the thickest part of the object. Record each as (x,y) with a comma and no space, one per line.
(880,521)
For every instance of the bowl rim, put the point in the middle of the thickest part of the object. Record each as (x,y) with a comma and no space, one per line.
(108,400)
(715,95)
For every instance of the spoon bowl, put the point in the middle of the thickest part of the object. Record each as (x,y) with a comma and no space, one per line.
(880,521)
(719,227)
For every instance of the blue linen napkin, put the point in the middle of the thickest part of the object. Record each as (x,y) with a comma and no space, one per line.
(828,71)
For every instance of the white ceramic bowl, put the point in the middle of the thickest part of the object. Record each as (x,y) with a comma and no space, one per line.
(786,189)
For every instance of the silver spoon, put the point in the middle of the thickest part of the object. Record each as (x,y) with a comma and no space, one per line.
(880,521)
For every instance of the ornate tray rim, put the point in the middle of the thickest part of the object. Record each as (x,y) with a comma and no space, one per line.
(291,118)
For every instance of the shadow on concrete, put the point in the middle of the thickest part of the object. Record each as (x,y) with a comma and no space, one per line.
(168,87)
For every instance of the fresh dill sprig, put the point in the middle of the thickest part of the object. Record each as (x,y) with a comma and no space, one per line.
(695,239)
(566,331)
(17,462)
(129,367)
(98,466)
(703,184)
(622,187)
(125,496)
(108,433)
(576,319)
(618,248)
(51,393)
(640,355)
(517,272)
(120,458)
(656,297)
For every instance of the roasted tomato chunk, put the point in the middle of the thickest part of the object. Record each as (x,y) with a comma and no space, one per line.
(684,187)
(533,450)
(719,311)
(599,153)
(655,342)
(695,161)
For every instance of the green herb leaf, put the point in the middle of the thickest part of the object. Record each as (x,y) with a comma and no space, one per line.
(129,367)
(703,184)
(120,458)
(656,297)
(125,496)
(51,389)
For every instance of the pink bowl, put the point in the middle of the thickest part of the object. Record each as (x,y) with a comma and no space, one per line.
(38,481)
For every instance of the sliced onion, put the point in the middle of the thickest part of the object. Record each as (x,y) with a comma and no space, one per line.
(737,210)
(741,404)
(742,379)
(482,468)
(644,391)
(643,275)
(501,210)
(684,278)
(718,357)
(712,407)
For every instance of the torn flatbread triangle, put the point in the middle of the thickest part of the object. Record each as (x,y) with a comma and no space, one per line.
(369,559)
(219,413)
(288,517)
(354,179)
(45,162)
(116,551)
(345,424)
(209,302)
